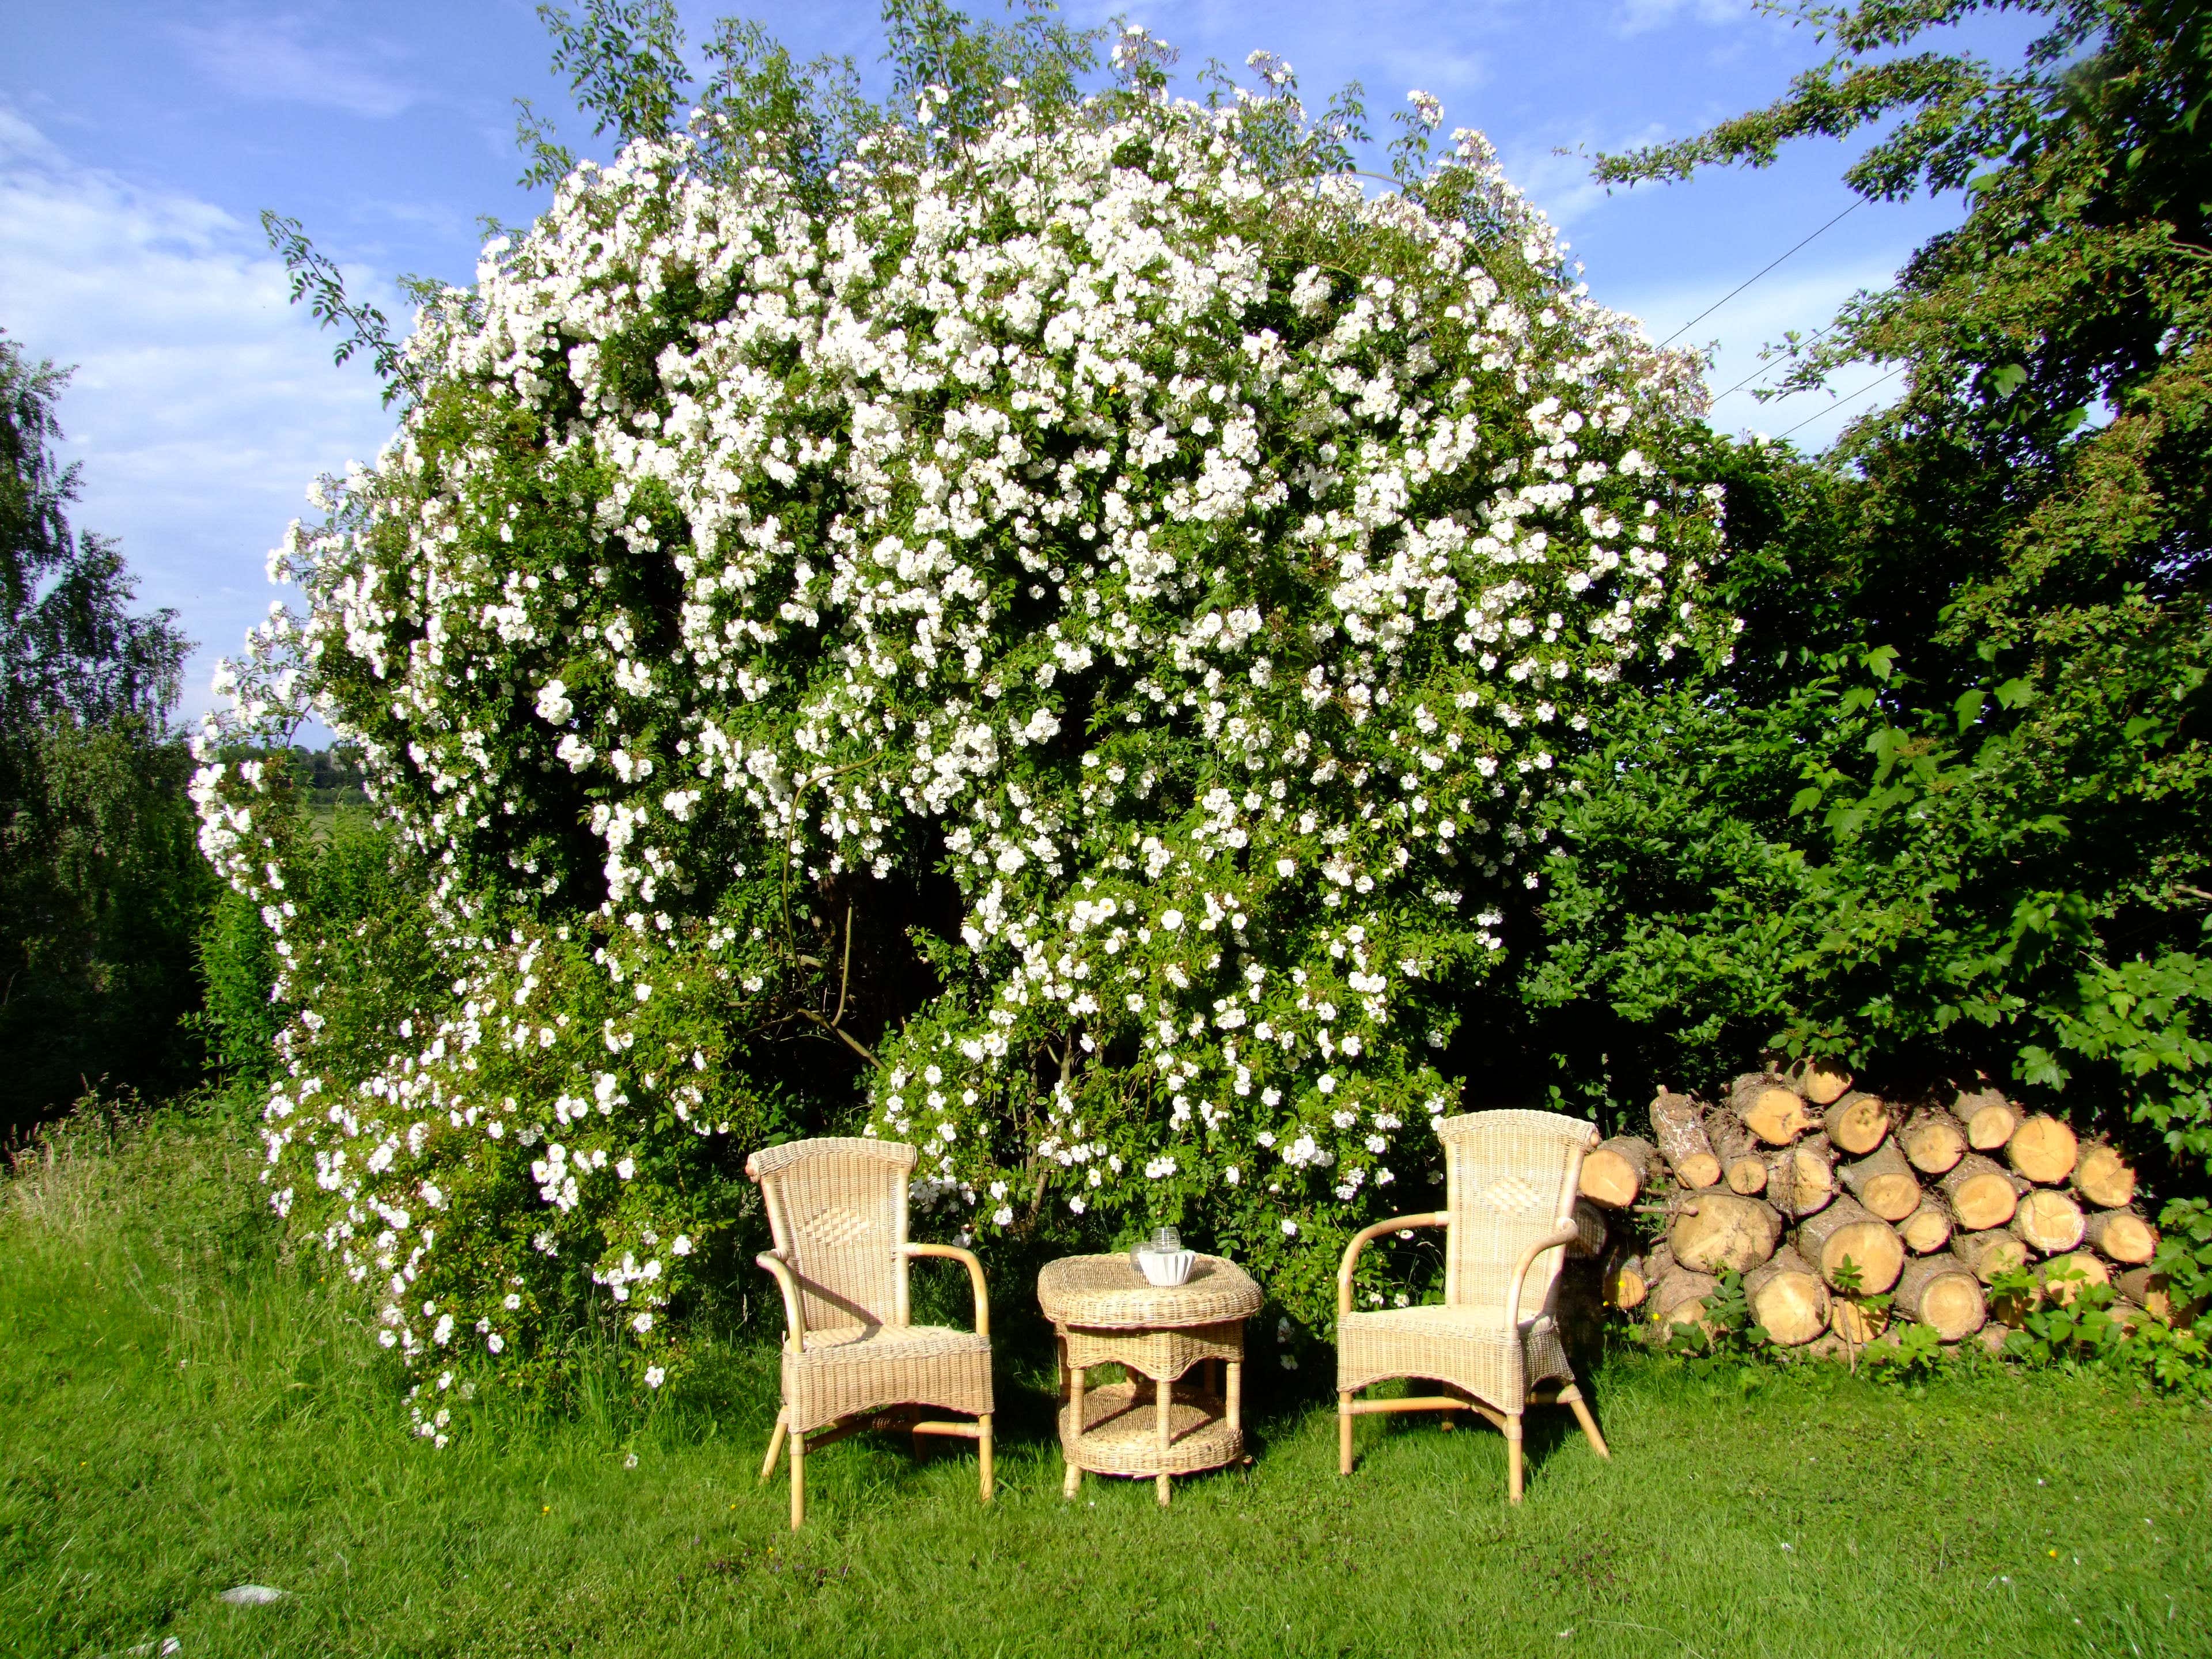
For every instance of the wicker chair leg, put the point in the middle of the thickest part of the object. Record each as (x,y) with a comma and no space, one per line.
(1513,1456)
(798,1481)
(983,1455)
(1572,1397)
(1344,1432)
(774,1447)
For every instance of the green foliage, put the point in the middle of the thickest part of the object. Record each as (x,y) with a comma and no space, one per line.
(101,887)
(1947,808)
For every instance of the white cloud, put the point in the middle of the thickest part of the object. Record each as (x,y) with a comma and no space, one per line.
(204,402)
(274,58)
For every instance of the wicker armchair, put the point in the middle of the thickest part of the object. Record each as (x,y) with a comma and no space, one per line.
(852,1359)
(1510,1191)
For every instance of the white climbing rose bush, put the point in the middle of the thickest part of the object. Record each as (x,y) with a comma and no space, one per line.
(1205,570)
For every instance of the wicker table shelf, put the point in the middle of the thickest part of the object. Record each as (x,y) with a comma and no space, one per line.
(1104,1313)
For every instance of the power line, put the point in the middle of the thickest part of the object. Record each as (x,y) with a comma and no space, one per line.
(1754,277)
(1853,399)
(1766,370)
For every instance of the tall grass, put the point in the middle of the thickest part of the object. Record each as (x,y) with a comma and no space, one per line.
(185,1405)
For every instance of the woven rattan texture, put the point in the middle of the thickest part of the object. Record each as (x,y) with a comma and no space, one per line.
(1510,1182)
(859,1370)
(837,1209)
(1107,1293)
(1466,1346)
(1168,1352)
(1122,1436)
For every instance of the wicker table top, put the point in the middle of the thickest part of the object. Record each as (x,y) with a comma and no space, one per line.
(1107,1293)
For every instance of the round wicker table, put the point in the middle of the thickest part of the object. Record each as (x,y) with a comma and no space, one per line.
(1104,1313)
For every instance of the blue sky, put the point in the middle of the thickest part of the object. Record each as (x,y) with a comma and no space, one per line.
(139,143)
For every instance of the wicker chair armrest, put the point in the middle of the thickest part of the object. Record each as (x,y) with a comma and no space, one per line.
(1565,1234)
(1397,1224)
(954,1253)
(794,1318)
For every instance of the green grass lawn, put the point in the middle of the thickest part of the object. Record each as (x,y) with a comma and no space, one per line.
(180,1411)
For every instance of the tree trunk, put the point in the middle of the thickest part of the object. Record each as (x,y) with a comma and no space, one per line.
(1743,1162)
(1680,1129)
(1933,1141)
(1716,1231)
(1883,1181)
(1679,1299)
(2122,1235)
(2103,1177)
(1928,1228)
(1801,1179)
(1986,1255)
(1989,1116)
(1769,1108)
(1982,1195)
(2044,1149)
(1787,1298)
(1942,1295)
(1618,1169)
(2049,1222)
(1821,1081)
(1846,1231)
(1858,1123)
(2064,1277)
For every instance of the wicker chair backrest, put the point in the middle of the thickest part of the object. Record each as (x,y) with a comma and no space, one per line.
(836,1207)
(1510,1180)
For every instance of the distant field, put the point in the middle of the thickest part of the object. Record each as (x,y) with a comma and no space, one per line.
(182,1411)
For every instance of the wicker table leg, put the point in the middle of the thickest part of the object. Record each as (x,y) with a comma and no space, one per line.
(1232,1389)
(1071,1482)
(1163,1408)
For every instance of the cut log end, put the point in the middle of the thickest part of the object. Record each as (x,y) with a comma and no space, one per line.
(1617,1171)
(1858,1123)
(2104,1177)
(2048,1221)
(1939,1294)
(1845,1240)
(1927,1229)
(1823,1082)
(1981,1194)
(1788,1299)
(1678,1126)
(1933,1141)
(1722,1232)
(2065,1276)
(2122,1236)
(2044,1150)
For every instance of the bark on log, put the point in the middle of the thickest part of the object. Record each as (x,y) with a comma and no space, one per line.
(2148,1288)
(1933,1140)
(2044,1149)
(1989,1116)
(1858,1123)
(1981,1195)
(1986,1255)
(1679,1299)
(1939,1293)
(1787,1298)
(1847,1231)
(2104,1177)
(2121,1234)
(2048,1221)
(1821,1081)
(1718,1231)
(1769,1108)
(1680,1129)
(1928,1228)
(1801,1179)
(1618,1170)
(2065,1276)
(1743,1162)
(1883,1181)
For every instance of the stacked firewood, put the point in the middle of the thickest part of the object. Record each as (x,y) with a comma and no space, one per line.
(1822,1196)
